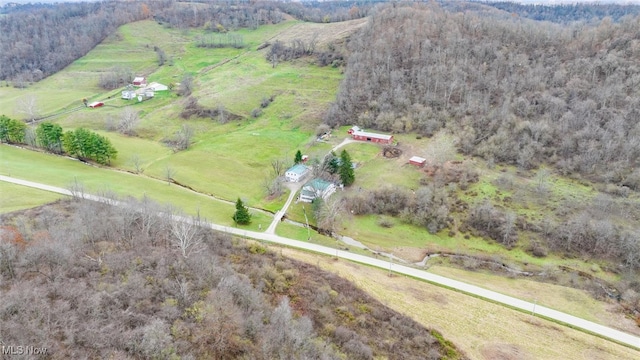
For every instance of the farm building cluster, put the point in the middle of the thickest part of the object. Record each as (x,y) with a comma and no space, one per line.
(140,90)
(312,189)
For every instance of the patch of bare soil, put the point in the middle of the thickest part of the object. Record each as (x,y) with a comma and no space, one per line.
(391,152)
(410,254)
(504,352)
(323,33)
(451,171)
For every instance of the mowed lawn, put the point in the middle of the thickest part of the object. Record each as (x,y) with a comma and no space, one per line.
(62,172)
(16,197)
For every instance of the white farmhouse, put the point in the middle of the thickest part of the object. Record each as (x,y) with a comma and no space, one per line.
(296,173)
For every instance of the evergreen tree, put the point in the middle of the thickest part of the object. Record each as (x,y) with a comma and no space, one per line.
(347,175)
(333,164)
(49,136)
(298,158)
(12,131)
(241,216)
(88,145)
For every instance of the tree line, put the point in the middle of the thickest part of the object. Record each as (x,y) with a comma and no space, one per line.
(219,17)
(89,280)
(567,13)
(513,90)
(82,143)
(38,41)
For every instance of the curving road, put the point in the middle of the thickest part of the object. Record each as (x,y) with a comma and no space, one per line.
(542,311)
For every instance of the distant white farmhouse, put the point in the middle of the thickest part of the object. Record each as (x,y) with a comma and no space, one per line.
(128,94)
(296,173)
(317,188)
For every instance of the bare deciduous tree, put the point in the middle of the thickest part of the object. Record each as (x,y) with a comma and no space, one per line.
(137,163)
(186,236)
(273,186)
(77,189)
(329,214)
(128,121)
(169,173)
(27,106)
(277,166)
(184,137)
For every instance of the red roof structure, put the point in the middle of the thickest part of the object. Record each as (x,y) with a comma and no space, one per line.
(372,137)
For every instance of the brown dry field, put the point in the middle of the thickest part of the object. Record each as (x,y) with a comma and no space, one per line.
(482,330)
(326,33)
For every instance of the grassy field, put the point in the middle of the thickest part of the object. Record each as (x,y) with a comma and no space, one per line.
(15,197)
(62,172)
(227,160)
(481,329)
(572,301)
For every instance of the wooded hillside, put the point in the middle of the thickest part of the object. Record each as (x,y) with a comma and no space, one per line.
(88,280)
(513,90)
(38,41)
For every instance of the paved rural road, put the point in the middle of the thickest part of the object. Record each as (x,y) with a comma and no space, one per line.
(522,305)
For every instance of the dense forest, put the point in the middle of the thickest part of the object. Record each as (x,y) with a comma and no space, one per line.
(37,41)
(89,280)
(514,91)
(567,13)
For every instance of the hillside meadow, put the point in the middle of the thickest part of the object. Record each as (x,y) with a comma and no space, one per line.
(223,160)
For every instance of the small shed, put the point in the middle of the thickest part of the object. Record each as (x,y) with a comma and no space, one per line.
(353,129)
(305,158)
(140,81)
(96,104)
(372,137)
(417,161)
(296,173)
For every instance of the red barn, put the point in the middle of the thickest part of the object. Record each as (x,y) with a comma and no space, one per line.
(140,81)
(96,104)
(353,129)
(417,161)
(372,137)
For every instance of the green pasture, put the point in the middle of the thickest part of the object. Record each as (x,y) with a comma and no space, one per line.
(227,160)
(62,172)
(404,236)
(16,197)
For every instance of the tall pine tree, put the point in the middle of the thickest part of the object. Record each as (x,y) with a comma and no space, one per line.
(347,175)
(298,158)
(241,216)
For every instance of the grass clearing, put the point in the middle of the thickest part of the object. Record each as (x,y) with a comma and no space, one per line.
(61,172)
(227,160)
(477,327)
(16,197)
(569,300)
